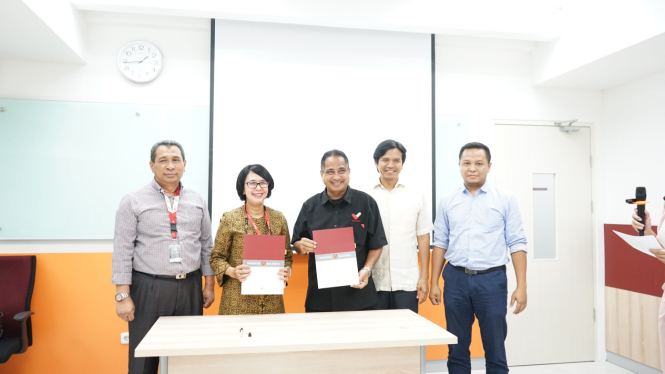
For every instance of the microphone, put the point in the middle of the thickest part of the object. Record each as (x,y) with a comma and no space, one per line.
(640,201)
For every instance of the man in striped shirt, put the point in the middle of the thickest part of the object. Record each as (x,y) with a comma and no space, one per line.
(161,248)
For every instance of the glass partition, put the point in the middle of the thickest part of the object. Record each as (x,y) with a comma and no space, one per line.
(451,133)
(67,165)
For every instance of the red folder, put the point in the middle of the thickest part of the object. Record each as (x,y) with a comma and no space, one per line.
(264,247)
(334,241)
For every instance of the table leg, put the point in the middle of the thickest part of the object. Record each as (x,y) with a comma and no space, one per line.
(423,359)
(164,365)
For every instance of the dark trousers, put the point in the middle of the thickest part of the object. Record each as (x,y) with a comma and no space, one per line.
(486,297)
(156,297)
(397,300)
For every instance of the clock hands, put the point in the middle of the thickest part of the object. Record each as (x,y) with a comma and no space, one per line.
(128,62)
(139,61)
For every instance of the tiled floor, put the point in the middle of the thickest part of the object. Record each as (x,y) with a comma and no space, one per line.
(577,368)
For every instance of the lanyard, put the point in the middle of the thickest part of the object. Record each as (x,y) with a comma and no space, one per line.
(173,211)
(265,214)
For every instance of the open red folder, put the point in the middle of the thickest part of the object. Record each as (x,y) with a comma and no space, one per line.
(335,256)
(265,255)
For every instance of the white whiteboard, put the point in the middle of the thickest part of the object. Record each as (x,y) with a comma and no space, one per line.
(285,94)
(85,143)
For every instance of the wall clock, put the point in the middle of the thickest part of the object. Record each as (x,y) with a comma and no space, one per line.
(140,62)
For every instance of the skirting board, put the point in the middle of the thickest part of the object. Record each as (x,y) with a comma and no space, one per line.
(629,364)
(441,366)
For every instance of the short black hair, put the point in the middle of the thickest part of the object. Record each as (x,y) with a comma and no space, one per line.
(476,145)
(167,143)
(256,169)
(387,145)
(333,153)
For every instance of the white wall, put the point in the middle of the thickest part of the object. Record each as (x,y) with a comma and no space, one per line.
(632,152)
(632,129)
(285,94)
(185,80)
(485,80)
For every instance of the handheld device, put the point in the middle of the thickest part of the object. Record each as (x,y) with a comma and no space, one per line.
(640,201)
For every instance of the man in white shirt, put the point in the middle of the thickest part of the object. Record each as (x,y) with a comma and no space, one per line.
(407,221)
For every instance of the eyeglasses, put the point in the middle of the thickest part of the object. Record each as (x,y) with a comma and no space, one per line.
(253,184)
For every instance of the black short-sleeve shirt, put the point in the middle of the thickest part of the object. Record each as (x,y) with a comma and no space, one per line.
(320,213)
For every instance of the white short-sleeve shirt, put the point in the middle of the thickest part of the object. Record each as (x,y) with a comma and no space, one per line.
(405,214)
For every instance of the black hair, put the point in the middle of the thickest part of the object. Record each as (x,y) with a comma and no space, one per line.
(476,145)
(387,145)
(256,169)
(333,153)
(167,143)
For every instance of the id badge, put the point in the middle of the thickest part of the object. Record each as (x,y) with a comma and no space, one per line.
(174,252)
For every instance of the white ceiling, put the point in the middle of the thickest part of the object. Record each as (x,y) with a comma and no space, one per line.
(24,36)
(635,62)
(522,24)
(539,20)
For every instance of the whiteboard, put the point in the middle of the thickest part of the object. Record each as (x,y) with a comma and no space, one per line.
(68,164)
(285,94)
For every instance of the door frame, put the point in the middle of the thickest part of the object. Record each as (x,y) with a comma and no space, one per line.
(596,236)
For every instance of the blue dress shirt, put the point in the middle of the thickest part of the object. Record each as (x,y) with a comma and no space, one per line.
(477,230)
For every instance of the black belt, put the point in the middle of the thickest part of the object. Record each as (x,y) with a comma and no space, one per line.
(469,271)
(177,276)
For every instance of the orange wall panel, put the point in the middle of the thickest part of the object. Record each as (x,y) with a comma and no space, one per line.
(76,330)
(437,314)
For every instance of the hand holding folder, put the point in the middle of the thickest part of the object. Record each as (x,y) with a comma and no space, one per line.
(265,255)
(335,257)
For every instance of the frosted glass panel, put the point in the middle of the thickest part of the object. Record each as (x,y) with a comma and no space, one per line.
(544,217)
(68,164)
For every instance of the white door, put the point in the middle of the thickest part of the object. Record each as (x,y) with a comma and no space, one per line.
(550,173)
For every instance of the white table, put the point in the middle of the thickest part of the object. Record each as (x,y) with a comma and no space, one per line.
(376,341)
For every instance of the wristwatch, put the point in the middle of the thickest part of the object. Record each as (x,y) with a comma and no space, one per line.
(368,269)
(121,296)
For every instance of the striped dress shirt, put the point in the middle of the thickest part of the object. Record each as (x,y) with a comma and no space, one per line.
(143,234)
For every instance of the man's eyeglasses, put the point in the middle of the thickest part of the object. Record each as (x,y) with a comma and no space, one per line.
(253,184)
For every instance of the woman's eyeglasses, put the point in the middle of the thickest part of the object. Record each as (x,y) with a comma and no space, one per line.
(253,184)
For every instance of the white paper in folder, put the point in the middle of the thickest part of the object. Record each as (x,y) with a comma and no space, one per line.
(641,243)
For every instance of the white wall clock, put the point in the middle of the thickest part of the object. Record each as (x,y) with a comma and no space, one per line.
(140,61)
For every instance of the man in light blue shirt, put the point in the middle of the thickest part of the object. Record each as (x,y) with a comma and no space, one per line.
(475,227)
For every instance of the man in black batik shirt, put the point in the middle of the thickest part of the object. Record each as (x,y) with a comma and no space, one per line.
(340,206)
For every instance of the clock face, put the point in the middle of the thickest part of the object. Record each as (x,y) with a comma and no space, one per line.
(140,61)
